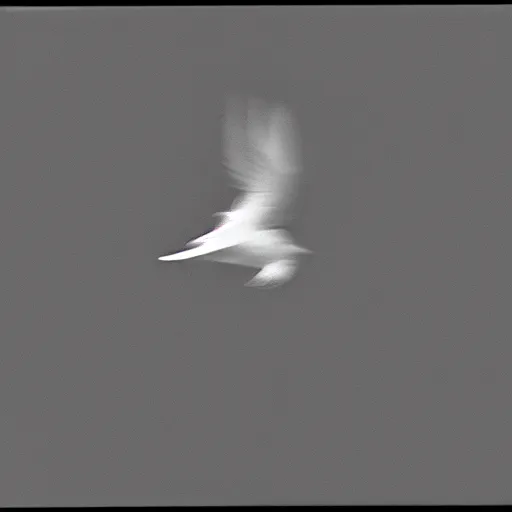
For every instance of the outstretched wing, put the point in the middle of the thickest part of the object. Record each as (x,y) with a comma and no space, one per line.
(210,246)
(262,157)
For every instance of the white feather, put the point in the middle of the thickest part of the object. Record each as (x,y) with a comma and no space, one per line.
(261,154)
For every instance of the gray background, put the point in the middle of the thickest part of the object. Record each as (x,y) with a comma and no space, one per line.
(381,374)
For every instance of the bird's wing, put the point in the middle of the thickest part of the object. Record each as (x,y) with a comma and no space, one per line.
(223,237)
(261,155)
(203,249)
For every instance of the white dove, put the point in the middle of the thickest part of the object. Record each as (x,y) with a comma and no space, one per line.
(261,155)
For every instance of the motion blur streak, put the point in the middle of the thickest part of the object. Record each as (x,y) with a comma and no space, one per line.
(261,154)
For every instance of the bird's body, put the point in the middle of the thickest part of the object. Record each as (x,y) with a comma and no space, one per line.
(262,160)
(262,248)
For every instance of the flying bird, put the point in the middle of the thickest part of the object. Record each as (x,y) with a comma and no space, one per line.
(261,156)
